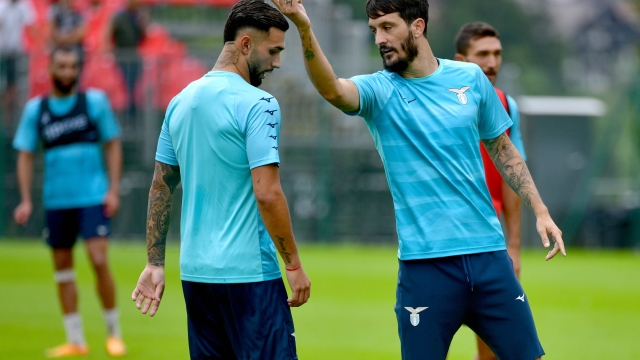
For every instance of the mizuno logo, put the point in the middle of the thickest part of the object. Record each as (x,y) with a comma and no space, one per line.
(273,125)
(410,101)
(274,147)
(267,99)
(273,137)
(270,111)
(521,297)
(414,318)
(462,97)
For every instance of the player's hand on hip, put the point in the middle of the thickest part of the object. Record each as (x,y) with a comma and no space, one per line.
(111,204)
(548,230)
(294,10)
(300,287)
(22,213)
(149,290)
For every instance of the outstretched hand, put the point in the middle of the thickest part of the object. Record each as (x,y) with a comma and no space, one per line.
(294,10)
(548,229)
(300,287)
(149,290)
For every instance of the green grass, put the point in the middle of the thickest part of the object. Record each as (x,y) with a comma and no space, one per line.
(586,306)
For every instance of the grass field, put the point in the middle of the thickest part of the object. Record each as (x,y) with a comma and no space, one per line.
(586,306)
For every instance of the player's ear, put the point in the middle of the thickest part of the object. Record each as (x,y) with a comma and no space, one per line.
(418,27)
(245,44)
(459,57)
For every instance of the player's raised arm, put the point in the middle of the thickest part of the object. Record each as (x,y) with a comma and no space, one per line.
(514,171)
(150,287)
(274,211)
(341,93)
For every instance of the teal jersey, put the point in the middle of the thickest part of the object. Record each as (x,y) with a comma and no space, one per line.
(426,131)
(218,129)
(74,173)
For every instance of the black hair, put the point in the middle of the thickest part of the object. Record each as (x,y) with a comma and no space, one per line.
(473,31)
(409,10)
(256,14)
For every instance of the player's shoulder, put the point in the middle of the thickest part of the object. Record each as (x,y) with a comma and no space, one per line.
(247,96)
(96,96)
(34,102)
(461,67)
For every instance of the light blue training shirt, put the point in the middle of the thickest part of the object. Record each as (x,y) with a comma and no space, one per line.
(515,135)
(427,131)
(74,174)
(218,129)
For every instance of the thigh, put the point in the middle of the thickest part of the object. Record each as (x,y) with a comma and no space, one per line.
(431,299)
(62,228)
(500,312)
(259,321)
(93,223)
(207,333)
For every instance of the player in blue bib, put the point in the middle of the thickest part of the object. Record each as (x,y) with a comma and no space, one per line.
(77,131)
(220,138)
(427,116)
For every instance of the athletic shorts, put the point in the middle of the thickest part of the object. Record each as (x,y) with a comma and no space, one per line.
(247,321)
(63,226)
(436,296)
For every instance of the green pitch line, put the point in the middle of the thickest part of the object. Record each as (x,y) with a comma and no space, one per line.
(587,306)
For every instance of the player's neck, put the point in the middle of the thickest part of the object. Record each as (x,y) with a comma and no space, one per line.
(230,60)
(424,64)
(59,94)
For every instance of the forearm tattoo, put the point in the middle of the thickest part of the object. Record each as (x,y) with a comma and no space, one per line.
(308,53)
(512,168)
(283,249)
(228,57)
(165,180)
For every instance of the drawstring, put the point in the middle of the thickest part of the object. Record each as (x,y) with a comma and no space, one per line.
(467,269)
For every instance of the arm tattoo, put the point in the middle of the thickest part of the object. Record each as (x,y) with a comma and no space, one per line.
(512,167)
(228,57)
(309,55)
(283,249)
(165,180)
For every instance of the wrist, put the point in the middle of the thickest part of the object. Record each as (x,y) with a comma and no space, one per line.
(304,28)
(155,265)
(541,211)
(293,268)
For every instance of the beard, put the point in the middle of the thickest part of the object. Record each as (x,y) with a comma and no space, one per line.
(401,63)
(64,89)
(254,69)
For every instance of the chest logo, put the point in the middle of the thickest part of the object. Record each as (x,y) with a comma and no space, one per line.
(414,318)
(462,97)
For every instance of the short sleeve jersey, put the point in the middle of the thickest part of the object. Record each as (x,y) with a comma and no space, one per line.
(218,129)
(426,131)
(74,174)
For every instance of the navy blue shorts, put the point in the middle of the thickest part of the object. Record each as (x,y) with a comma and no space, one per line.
(247,321)
(436,296)
(63,226)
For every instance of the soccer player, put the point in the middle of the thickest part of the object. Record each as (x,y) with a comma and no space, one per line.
(74,127)
(479,43)
(427,116)
(220,137)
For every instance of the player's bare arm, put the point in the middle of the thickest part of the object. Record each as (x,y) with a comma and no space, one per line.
(22,213)
(514,171)
(150,287)
(274,211)
(113,156)
(341,93)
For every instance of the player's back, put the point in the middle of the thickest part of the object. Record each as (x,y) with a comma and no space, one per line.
(223,237)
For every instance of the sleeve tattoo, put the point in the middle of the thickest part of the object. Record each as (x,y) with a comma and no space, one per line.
(165,180)
(512,167)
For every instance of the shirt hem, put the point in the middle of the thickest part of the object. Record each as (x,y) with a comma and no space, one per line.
(456,252)
(231,280)
(503,128)
(74,205)
(262,162)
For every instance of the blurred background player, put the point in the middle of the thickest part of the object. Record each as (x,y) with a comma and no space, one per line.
(220,138)
(479,43)
(67,27)
(74,127)
(126,31)
(428,116)
(15,16)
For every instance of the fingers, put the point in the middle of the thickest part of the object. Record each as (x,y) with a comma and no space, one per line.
(558,246)
(135,293)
